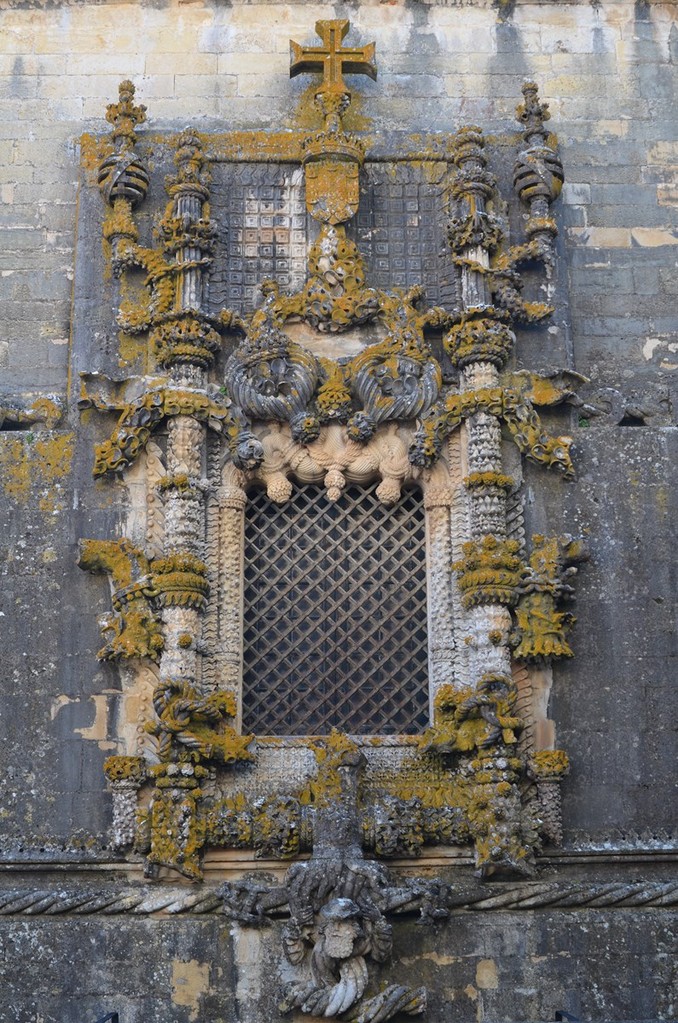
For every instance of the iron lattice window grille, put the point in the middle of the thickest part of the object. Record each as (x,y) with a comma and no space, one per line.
(335,631)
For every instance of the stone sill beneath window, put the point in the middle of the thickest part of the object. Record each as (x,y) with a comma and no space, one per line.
(230,864)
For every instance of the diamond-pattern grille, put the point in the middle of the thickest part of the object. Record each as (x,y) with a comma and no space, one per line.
(335,614)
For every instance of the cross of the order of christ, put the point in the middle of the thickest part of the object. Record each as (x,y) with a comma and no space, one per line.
(330,59)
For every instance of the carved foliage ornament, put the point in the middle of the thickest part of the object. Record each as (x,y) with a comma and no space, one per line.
(284,409)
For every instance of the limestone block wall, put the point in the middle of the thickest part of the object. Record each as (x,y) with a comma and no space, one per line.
(608,71)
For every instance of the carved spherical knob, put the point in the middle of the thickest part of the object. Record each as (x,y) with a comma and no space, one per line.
(538,173)
(123,176)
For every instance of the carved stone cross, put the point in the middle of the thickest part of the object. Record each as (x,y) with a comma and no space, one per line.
(330,59)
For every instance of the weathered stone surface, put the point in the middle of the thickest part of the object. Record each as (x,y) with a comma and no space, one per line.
(608,72)
(611,707)
(476,964)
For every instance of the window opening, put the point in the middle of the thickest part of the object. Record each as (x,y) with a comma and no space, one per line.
(335,614)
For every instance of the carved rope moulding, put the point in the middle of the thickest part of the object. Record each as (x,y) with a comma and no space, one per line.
(145,900)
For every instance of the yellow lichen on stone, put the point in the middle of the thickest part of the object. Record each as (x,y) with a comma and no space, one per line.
(34,466)
(120,559)
(330,753)
(47,411)
(549,763)
(121,768)
(119,222)
(472,718)
(480,480)
(489,571)
(541,630)
(93,151)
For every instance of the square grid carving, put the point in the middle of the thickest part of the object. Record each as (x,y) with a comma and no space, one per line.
(261,217)
(401,231)
(263,231)
(335,614)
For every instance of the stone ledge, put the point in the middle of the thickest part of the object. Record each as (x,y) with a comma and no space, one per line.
(169,900)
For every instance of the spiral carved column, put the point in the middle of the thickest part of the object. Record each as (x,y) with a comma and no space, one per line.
(184,343)
(479,346)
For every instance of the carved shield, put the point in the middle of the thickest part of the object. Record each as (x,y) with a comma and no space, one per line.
(332,191)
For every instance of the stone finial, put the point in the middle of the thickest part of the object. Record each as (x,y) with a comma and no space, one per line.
(122,175)
(538,172)
(125,115)
(190,161)
(532,112)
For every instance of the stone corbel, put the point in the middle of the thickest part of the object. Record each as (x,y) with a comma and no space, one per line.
(134,629)
(541,629)
(338,904)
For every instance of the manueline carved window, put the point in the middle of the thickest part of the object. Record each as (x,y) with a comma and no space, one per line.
(335,629)
(318,384)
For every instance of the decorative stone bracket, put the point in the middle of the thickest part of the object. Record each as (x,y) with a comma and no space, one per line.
(338,904)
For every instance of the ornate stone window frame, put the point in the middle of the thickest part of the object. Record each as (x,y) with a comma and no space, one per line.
(290,407)
(285,458)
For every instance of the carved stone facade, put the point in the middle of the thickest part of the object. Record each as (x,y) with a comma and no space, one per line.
(325,312)
(337,382)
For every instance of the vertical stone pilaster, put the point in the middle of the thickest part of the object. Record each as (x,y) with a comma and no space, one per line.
(473,234)
(228,654)
(185,344)
(182,570)
(442,641)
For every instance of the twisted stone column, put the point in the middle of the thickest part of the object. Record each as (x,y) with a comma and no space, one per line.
(478,347)
(184,343)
